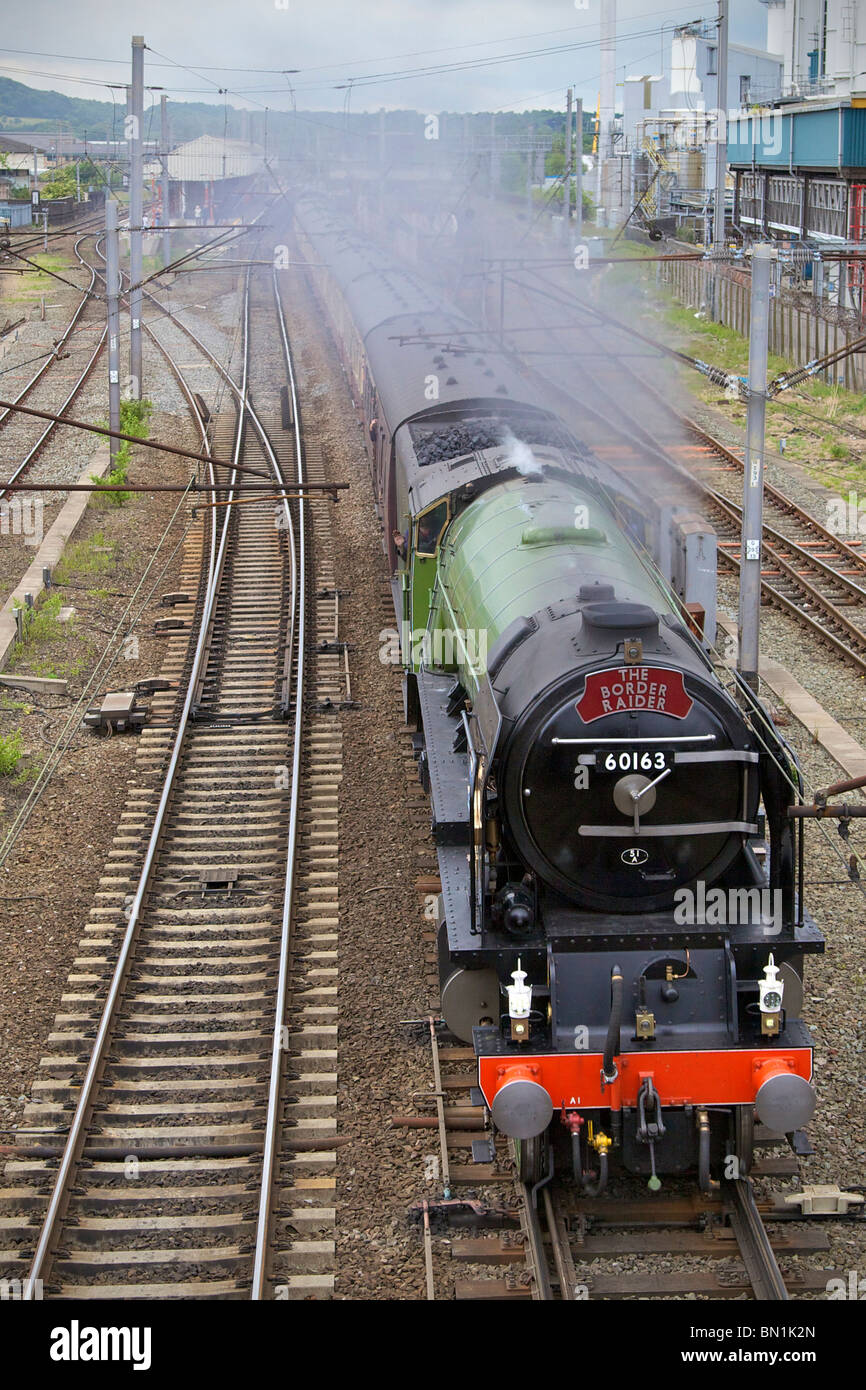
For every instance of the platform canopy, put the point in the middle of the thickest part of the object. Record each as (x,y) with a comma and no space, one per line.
(210,158)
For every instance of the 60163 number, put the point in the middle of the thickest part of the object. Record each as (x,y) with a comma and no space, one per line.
(635,762)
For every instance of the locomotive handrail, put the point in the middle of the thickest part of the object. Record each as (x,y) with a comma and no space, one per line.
(472,753)
(708,827)
(672,738)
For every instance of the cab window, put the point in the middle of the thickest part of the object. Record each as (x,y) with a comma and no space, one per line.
(429,527)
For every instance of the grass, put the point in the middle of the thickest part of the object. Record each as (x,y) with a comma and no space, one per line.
(134,418)
(33,286)
(64,670)
(14,706)
(94,556)
(811,419)
(29,773)
(43,624)
(10,752)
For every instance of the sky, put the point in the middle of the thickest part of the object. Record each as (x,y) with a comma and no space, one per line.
(197,47)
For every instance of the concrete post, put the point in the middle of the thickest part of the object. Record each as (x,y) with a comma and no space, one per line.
(136,209)
(578,169)
(112,286)
(530,160)
(566,190)
(164,192)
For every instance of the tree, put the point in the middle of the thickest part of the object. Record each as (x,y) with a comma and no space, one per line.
(554,160)
(60,183)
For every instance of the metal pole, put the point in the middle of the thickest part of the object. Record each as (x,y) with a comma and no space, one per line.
(722,134)
(566,189)
(136,179)
(763,258)
(530,160)
(721,148)
(607,100)
(381,179)
(44,229)
(164,191)
(112,286)
(78,181)
(502,306)
(578,169)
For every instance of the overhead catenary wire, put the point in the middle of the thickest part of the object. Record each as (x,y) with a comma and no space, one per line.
(336,66)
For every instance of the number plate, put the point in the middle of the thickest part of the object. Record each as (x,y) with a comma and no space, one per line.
(646,760)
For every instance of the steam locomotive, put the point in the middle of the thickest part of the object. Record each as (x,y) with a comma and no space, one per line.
(621,925)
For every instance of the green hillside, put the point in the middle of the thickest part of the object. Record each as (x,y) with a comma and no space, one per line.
(25,108)
(304,134)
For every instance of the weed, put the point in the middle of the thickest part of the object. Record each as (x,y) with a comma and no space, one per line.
(65,670)
(134,418)
(28,773)
(41,623)
(45,624)
(15,706)
(116,478)
(10,752)
(93,556)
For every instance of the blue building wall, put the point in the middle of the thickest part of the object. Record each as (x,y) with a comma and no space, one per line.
(17,214)
(830,139)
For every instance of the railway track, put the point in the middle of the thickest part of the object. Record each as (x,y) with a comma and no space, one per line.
(548,1242)
(487,1235)
(182,1130)
(75,355)
(29,240)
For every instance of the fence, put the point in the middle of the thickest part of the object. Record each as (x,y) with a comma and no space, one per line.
(797,334)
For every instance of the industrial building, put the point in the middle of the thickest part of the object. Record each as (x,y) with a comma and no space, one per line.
(799,162)
(795,126)
(664,145)
(823,44)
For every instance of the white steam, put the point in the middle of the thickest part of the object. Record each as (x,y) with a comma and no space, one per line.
(519,455)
